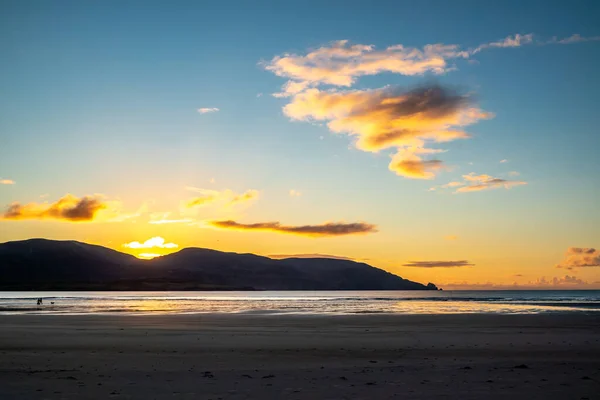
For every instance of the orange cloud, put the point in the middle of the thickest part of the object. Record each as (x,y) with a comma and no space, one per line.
(388,117)
(246,196)
(202,200)
(452,184)
(577,257)
(68,208)
(438,264)
(7,182)
(451,237)
(310,255)
(228,197)
(323,230)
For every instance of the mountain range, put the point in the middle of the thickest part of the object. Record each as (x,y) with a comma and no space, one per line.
(40,264)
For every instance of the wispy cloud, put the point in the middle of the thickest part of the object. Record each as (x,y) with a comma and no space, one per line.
(340,62)
(207,110)
(576,38)
(577,257)
(7,182)
(503,161)
(486,182)
(310,255)
(452,184)
(248,195)
(295,193)
(517,40)
(68,208)
(152,243)
(322,230)
(451,237)
(202,200)
(438,264)
(170,221)
(473,183)
(224,197)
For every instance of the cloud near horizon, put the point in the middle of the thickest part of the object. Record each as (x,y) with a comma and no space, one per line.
(578,257)
(309,255)
(566,282)
(438,264)
(390,117)
(7,182)
(148,256)
(68,208)
(327,229)
(152,243)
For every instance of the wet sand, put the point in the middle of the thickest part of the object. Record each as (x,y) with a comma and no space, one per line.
(300,357)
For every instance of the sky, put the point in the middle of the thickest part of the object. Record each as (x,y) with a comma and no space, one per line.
(454,143)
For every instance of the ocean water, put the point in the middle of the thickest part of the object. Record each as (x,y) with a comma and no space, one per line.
(302,302)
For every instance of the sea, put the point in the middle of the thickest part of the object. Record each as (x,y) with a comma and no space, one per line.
(302,302)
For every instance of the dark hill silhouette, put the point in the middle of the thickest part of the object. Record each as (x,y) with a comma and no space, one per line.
(40,264)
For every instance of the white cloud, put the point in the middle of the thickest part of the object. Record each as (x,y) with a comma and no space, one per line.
(576,38)
(148,256)
(208,110)
(155,242)
(517,40)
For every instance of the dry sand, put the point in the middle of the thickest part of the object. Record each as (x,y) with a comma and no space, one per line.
(300,357)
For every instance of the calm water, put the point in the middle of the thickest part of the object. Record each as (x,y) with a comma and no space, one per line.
(271,302)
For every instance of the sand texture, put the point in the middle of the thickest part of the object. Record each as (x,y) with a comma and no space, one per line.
(300,357)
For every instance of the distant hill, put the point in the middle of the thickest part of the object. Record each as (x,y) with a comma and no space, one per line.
(40,264)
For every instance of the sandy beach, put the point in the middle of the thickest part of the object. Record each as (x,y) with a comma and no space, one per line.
(230,356)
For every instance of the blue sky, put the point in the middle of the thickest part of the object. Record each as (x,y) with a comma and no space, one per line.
(101,98)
